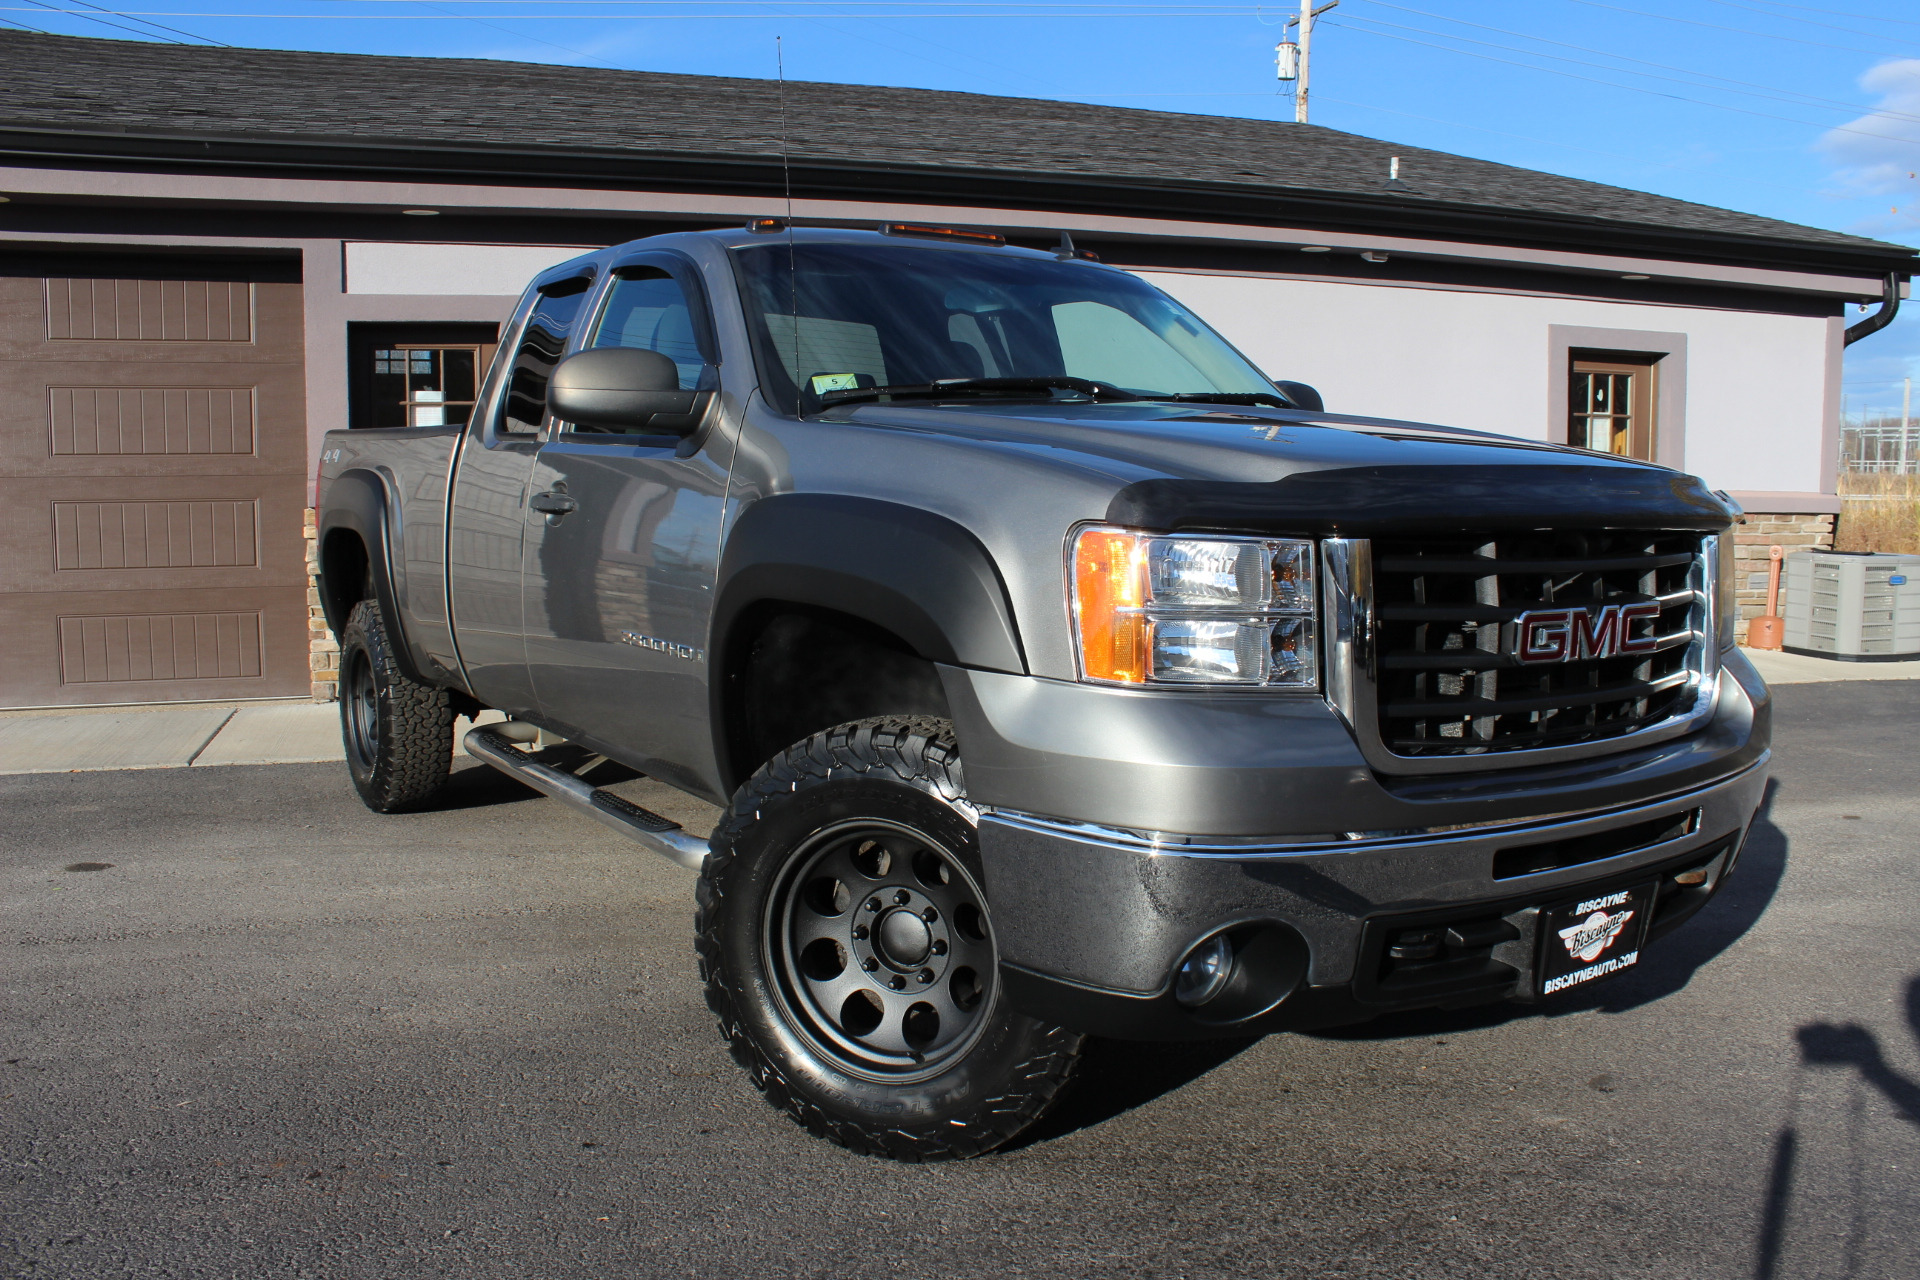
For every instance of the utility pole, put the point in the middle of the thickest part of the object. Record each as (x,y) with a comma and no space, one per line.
(1906,420)
(1298,65)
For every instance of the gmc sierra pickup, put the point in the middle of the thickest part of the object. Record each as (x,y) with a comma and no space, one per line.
(1059,674)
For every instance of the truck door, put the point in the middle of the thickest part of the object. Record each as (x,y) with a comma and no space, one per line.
(488,516)
(618,578)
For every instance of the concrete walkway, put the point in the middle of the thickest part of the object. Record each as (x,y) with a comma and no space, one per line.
(1796,668)
(300,732)
(172,737)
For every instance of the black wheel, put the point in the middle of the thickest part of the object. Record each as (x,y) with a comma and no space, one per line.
(847,948)
(399,733)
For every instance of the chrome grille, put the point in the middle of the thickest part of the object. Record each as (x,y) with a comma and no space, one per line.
(1442,675)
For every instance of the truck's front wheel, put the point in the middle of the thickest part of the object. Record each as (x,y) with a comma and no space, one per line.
(848,950)
(399,732)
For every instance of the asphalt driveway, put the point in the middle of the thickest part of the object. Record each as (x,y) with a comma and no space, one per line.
(249,1029)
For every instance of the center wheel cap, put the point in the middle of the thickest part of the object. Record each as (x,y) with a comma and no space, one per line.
(903,939)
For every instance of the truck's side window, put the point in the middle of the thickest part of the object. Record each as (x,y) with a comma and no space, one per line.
(647,308)
(541,347)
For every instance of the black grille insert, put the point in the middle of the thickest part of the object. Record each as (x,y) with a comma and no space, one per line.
(1448,677)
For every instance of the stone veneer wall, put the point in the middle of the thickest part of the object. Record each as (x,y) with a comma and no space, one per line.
(1760,530)
(323,650)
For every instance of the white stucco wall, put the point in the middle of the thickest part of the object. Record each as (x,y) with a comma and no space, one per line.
(388,267)
(1756,385)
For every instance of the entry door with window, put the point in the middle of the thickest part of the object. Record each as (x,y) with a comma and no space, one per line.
(619,588)
(1610,404)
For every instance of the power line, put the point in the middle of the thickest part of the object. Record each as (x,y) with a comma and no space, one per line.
(1838,13)
(1764,90)
(1631,88)
(1742,31)
(1487,44)
(87,17)
(175,30)
(1872,35)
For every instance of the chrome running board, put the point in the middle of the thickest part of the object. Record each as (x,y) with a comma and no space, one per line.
(662,835)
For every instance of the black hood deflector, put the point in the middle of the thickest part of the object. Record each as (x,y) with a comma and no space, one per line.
(1369,501)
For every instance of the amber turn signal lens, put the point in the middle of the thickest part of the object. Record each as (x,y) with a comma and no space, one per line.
(1109,589)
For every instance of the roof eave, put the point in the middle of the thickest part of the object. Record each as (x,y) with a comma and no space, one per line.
(817,177)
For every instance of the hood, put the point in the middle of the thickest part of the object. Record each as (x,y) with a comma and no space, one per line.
(1194,467)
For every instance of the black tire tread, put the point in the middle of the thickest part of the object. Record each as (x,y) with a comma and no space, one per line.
(916,751)
(416,755)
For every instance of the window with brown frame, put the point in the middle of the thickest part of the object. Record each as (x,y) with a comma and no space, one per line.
(415,375)
(1610,399)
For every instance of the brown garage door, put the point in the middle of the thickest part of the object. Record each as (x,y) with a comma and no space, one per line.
(152,478)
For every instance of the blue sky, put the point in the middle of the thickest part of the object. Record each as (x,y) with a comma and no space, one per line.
(1805,112)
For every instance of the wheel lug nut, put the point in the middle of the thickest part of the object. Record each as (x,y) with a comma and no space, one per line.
(896,982)
(929,915)
(939,946)
(873,904)
(859,933)
(869,964)
(902,897)
(926,975)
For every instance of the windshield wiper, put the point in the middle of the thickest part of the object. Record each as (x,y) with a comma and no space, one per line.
(1227,397)
(954,388)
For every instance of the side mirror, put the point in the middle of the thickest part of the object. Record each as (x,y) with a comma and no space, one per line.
(623,389)
(1302,396)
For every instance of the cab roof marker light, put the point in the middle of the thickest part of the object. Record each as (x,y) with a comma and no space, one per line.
(941,233)
(766,226)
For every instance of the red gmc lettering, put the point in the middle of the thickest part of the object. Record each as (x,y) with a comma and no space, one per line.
(1572,635)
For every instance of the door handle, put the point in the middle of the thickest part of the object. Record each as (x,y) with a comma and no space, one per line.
(554,504)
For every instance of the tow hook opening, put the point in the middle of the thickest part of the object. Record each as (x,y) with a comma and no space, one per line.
(1240,973)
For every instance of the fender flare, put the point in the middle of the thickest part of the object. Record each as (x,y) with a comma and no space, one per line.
(358,501)
(919,575)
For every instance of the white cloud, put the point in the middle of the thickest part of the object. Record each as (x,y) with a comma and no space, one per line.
(1878,154)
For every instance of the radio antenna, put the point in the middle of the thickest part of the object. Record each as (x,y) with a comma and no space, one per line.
(786,179)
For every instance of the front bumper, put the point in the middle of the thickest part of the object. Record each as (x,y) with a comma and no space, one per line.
(1093,912)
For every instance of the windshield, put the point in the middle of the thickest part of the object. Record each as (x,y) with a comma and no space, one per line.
(887,315)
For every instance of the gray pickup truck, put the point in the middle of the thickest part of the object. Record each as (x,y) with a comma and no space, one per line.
(1059,674)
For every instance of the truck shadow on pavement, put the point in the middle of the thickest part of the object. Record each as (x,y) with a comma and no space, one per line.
(1119,1077)
(479,786)
(1669,966)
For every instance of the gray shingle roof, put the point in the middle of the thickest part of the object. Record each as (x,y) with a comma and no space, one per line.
(100,86)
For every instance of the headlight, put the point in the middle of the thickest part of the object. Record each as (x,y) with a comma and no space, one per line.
(1150,609)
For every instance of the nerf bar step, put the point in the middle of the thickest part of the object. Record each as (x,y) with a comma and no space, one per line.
(662,835)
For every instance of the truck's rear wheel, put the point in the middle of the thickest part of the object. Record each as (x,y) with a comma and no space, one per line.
(399,732)
(848,950)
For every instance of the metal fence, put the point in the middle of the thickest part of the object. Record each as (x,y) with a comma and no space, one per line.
(1885,446)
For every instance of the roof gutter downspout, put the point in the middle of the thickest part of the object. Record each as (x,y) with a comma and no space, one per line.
(1889,308)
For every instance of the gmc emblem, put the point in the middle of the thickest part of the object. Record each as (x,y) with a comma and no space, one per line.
(1573,635)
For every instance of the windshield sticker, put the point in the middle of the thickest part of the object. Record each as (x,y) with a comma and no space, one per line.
(825,382)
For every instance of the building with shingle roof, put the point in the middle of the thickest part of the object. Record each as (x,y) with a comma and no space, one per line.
(212,256)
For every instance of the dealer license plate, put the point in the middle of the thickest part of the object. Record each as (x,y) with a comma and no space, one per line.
(1594,938)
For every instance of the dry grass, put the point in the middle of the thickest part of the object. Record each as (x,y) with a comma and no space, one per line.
(1879,512)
